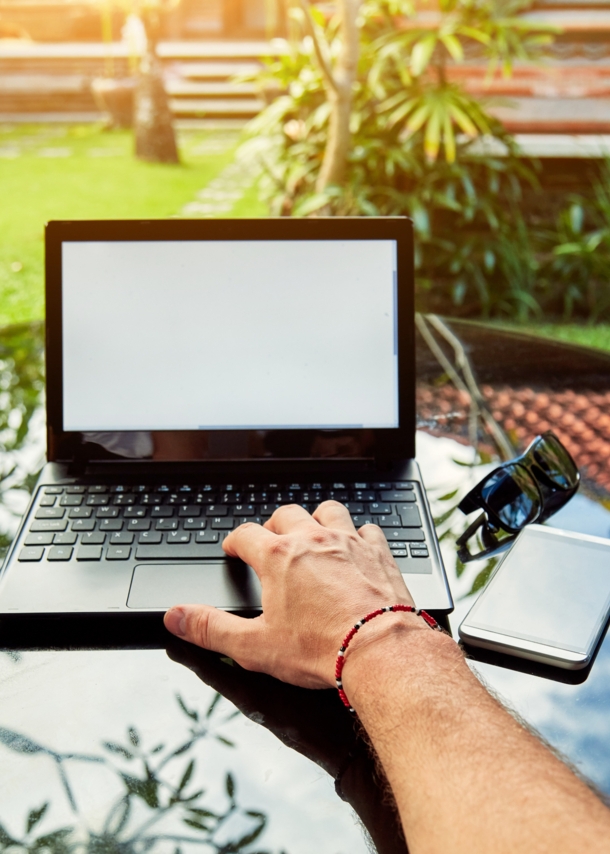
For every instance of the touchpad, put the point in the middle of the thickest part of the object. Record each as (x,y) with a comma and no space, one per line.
(224,585)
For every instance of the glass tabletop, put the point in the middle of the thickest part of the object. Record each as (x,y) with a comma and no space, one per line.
(151,745)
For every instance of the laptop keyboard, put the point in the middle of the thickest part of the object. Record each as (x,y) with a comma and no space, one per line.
(92,523)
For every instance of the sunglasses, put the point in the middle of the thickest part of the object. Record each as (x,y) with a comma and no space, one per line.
(528,489)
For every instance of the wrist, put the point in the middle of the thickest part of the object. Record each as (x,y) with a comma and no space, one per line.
(401,645)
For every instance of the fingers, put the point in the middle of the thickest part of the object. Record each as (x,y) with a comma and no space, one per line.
(289,517)
(331,514)
(248,542)
(212,629)
(373,534)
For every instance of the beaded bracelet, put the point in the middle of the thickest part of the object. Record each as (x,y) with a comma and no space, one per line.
(349,636)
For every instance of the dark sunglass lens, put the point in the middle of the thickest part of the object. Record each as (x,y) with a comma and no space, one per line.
(512,495)
(555,462)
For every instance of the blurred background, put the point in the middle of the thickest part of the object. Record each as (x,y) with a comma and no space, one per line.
(486,121)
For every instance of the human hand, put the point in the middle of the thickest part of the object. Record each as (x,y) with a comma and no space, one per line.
(319,576)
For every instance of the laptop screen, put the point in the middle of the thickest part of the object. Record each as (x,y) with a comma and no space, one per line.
(229,335)
(225,340)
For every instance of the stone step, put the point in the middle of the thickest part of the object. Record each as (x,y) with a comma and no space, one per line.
(227,89)
(213,107)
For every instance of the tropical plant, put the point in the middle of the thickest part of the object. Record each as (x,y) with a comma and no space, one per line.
(419,143)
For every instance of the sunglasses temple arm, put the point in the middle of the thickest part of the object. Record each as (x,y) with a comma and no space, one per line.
(471,529)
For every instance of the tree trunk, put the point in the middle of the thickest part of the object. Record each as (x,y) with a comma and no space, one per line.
(154,131)
(340,95)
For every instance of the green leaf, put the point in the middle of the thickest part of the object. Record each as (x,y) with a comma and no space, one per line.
(133,736)
(213,705)
(191,713)
(448,495)
(187,775)
(35,816)
(422,54)
(230,786)
(116,748)
(311,204)
(454,47)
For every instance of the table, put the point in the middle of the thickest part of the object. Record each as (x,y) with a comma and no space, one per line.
(141,747)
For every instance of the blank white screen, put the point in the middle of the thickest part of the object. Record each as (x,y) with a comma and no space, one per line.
(187,335)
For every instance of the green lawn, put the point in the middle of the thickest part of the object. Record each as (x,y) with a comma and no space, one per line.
(84,172)
(588,335)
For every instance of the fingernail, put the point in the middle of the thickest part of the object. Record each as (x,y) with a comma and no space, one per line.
(175,622)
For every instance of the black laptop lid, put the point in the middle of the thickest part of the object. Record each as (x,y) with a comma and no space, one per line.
(230,339)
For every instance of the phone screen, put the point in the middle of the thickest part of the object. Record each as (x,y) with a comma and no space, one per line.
(552,588)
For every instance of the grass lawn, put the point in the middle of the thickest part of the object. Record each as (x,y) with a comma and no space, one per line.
(587,335)
(84,172)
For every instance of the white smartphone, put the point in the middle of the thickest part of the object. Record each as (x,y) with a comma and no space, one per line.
(548,599)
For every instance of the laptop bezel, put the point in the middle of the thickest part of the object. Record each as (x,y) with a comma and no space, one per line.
(389,444)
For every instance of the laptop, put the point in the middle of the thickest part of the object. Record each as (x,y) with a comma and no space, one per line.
(200,374)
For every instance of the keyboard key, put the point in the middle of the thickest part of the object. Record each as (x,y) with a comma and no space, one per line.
(408,535)
(134,513)
(159,511)
(244,510)
(83,525)
(118,552)
(400,553)
(207,537)
(31,553)
(362,495)
(177,498)
(381,485)
(361,519)
(71,500)
(166,524)
(53,490)
(68,538)
(376,507)
(121,538)
(48,525)
(151,537)
(404,484)
(122,500)
(178,537)
(188,551)
(60,553)
(223,523)
(419,551)
(118,488)
(397,495)
(50,513)
(354,506)
(241,520)
(409,514)
(148,498)
(98,500)
(39,539)
(75,490)
(138,524)
(80,512)
(194,524)
(111,525)
(337,495)
(190,510)
(397,544)
(389,522)
(107,512)
(89,553)
(48,501)
(93,538)
(216,510)
(96,489)
(361,486)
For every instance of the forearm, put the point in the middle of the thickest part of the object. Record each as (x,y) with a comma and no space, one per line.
(466,776)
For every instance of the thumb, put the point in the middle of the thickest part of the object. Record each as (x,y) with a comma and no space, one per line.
(213,629)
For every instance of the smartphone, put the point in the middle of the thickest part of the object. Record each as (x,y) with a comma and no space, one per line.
(548,599)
